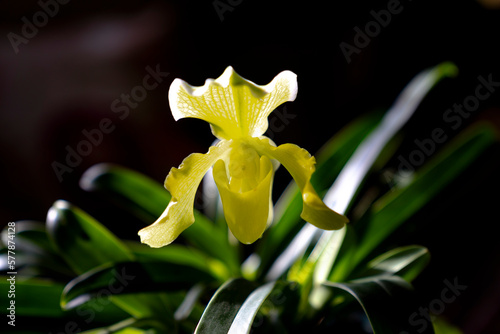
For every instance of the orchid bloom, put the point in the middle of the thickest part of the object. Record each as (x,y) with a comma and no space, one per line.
(243,160)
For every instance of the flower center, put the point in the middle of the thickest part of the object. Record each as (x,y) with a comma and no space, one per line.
(243,167)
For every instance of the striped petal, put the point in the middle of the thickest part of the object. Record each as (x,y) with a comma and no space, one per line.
(234,107)
(300,164)
(182,183)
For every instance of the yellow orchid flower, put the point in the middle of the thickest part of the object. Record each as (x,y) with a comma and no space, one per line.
(243,161)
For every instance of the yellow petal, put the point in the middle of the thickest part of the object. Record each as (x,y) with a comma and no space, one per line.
(300,164)
(234,106)
(247,212)
(182,184)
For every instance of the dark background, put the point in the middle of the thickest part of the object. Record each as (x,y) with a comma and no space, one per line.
(65,78)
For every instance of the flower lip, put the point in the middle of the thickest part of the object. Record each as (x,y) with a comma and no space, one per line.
(248,211)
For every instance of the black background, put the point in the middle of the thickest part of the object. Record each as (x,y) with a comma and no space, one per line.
(65,78)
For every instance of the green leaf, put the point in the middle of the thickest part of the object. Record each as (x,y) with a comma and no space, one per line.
(406,262)
(180,255)
(338,267)
(190,302)
(35,254)
(130,278)
(243,320)
(131,326)
(330,160)
(37,265)
(324,255)
(340,196)
(30,236)
(343,191)
(33,297)
(147,199)
(86,244)
(136,192)
(313,270)
(127,330)
(391,210)
(443,327)
(277,300)
(388,302)
(81,240)
(224,305)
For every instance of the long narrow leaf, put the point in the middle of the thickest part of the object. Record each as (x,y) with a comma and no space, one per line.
(147,199)
(132,326)
(129,278)
(242,323)
(35,254)
(81,240)
(395,207)
(388,302)
(30,236)
(180,255)
(223,307)
(86,244)
(33,297)
(390,211)
(342,192)
(330,159)
(406,262)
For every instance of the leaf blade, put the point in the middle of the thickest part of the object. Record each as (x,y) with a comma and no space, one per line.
(223,307)
(406,262)
(388,302)
(147,199)
(131,278)
(242,323)
(33,297)
(391,210)
(342,193)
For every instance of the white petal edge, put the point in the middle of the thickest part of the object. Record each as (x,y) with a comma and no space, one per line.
(224,81)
